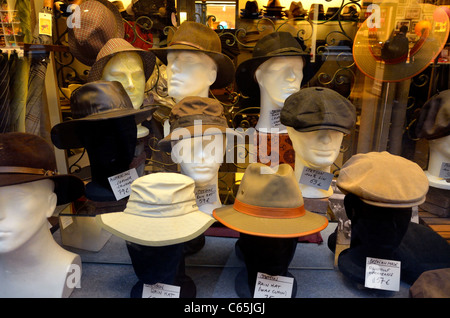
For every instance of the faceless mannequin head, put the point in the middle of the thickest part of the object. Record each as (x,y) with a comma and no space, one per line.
(189,74)
(439,153)
(278,78)
(128,69)
(318,149)
(24,209)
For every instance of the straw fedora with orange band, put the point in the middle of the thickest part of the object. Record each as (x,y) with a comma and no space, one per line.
(269,203)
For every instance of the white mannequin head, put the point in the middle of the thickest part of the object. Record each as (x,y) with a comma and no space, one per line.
(189,74)
(128,69)
(24,209)
(439,153)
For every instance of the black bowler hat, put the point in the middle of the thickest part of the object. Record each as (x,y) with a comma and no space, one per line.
(434,118)
(317,108)
(276,44)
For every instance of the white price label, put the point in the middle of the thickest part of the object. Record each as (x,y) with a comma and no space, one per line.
(160,290)
(445,170)
(206,195)
(382,274)
(316,178)
(121,183)
(275,115)
(268,286)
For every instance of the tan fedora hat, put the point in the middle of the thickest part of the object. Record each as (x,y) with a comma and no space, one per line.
(100,20)
(269,203)
(115,46)
(193,36)
(160,211)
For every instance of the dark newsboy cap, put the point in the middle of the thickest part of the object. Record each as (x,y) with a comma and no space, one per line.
(317,108)
(434,118)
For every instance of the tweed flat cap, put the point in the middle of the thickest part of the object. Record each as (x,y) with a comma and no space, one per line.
(316,108)
(383,179)
(434,118)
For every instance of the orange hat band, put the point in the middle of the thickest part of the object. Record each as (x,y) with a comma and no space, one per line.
(267,212)
(26,170)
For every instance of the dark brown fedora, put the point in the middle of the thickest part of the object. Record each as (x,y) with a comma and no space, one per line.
(95,101)
(193,36)
(26,158)
(115,46)
(100,20)
(275,44)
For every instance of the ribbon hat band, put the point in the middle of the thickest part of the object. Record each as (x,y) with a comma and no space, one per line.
(269,212)
(27,170)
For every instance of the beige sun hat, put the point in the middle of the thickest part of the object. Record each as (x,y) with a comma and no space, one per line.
(160,211)
(383,179)
(269,203)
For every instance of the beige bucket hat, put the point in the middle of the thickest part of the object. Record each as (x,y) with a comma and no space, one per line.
(160,211)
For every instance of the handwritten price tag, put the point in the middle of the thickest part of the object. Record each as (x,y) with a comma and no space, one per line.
(206,195)
(275,115)
(445,170)
(160,290)
(121,183)
(316,178)
(382,274)
(268,286)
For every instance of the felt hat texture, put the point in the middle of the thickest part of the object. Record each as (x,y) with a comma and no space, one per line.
(100,20)
(434,117)
(26,158)
(95,101)
(269,203)
(383,179)
(317,108)
(161,210)
(115,46)
(196,37)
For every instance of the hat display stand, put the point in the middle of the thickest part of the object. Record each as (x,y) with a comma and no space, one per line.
(267,255)
(160,264)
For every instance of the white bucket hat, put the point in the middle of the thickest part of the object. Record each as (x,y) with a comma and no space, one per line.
(160,211)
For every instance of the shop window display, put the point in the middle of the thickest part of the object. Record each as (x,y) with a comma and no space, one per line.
(388,113)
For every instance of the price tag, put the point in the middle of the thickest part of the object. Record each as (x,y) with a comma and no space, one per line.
(268,286)
(65,221)
(160,290)
(316,178)
(382,274)
(45,23)
(206,195)
(445,170)
(275,115)
(121,183)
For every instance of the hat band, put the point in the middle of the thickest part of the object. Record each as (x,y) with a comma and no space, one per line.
(26,170)
(187,121)
(268,212)
(195,46)
(286,50)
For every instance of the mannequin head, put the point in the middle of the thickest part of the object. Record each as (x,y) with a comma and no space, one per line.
(201,157)
(128,69)
(24,209)
(439,153)
(278,78)
(189,74)
(316,149)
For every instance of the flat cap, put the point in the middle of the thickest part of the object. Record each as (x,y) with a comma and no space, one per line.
(434,118)
(316,108)
(383,179)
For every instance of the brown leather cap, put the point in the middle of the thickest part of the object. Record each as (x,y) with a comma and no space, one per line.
(26,158)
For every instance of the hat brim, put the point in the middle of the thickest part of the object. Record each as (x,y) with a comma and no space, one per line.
(307,224)
(155,231)
(225,66)
(148,60)
(68,188)
(65,135)
(165,144)
(245,72)
(324,127)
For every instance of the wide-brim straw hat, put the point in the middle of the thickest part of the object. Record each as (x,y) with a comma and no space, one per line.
(160,211)
(26,158)
(100,21)
(269,203)
(275,44)
(196,37)
(367,48)
(96,101)
(115,46)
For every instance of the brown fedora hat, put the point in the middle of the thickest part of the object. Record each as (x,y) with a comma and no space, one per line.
(190,109)
(100,20)
(26,158)
(193,36)
(95,101)
(269,203)
(275,44)
(115,46)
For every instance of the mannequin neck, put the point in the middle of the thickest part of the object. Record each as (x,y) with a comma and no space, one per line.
(207,195)
(310,191)
(269,115)
(434,168)
(203,93)
(142,131)
(38,268)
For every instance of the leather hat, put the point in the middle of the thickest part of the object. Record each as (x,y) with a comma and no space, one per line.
(434,117)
